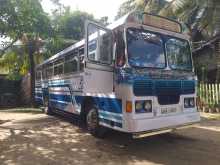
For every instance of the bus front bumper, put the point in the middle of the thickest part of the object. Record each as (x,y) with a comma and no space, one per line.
(163,130)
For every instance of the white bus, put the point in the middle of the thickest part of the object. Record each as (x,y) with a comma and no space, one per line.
(135,76)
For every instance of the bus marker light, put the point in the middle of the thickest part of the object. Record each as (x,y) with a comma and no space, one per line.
(128,106)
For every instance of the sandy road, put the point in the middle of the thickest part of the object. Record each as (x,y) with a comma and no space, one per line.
(36,139)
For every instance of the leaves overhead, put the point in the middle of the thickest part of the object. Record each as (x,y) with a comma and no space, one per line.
(23,17)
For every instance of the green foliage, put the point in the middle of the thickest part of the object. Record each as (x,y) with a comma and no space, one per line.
(154,6)
(103,21)
(201,16)
(125,8)
(68,28)
(19,17)
(54,45)
(17,65)
(25,21)
(149,6)
(70,25)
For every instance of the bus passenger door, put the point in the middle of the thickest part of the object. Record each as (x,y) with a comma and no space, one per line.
(99,59)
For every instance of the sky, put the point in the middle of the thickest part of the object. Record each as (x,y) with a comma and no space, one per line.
(98,8)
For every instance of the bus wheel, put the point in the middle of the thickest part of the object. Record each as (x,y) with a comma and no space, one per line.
(92,123)
(47,108)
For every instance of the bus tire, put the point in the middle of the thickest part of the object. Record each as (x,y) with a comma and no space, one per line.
(92,123)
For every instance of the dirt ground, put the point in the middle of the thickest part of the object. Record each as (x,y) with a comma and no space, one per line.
(36,139)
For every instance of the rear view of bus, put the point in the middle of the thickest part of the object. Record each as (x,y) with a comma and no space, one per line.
(155,78)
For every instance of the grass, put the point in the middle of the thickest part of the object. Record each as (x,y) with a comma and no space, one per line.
(210,116)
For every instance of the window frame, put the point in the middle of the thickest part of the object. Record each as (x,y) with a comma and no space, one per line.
(108,31)
(72,56)
(58,62)
(37,73)
(47,68)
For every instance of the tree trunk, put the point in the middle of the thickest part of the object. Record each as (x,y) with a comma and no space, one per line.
(31,51)
(216,31)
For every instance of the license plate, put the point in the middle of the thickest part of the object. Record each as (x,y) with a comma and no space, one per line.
(168,110)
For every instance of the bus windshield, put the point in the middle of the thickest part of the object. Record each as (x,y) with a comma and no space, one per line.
(147,49)
(178,54)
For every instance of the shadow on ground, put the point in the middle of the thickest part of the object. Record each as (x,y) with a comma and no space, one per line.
(57,141)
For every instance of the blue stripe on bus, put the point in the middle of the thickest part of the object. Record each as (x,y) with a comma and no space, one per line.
(106,104)
(59,105)
(58,85)
(39,100)
(37,94)
(109,104)
(66,98)
(110,109)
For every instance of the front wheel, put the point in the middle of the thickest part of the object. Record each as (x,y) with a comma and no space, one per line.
(92,123)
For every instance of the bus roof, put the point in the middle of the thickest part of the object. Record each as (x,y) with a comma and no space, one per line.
(130,17)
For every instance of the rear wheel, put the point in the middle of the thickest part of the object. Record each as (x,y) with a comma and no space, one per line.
(92,123)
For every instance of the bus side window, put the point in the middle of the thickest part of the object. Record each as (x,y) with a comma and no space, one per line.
(71,62)
(58,67)
(105,48)
(44,73)
(49,71)
(38,75)
(92,49)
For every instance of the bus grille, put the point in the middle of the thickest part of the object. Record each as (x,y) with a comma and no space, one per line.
(167,91)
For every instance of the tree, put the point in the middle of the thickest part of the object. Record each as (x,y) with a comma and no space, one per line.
(149,6)
(25,21)
(68,28)
(125,8)
(202,18)
(103,21)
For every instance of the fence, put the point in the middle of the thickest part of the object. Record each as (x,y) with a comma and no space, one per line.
(208,97)
(9,91)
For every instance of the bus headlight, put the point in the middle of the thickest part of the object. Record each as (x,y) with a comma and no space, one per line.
(148,106)
(138,105)
(189,102)
(143,106)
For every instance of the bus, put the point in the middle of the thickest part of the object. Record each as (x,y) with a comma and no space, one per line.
(135,76)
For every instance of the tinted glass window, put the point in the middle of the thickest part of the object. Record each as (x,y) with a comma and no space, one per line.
(49,72)
(38,75)
(178,53)
(58,67)
(145,49)
(99,45)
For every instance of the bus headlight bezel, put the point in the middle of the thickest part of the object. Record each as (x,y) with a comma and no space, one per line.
(143,106)
(189,102)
